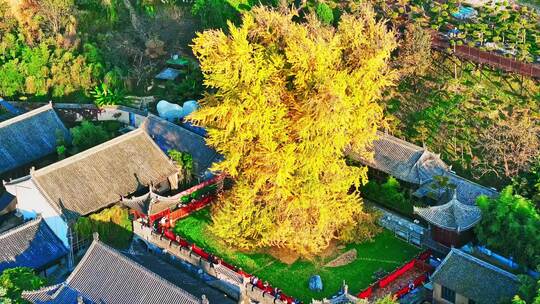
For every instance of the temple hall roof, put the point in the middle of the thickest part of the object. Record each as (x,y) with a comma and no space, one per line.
(30,136)
(32,244)
(106,276)
(97,177)
(403,160)
(170,136)
(454,215)
(475,279)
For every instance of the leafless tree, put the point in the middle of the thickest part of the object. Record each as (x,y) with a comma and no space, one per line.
(509,146)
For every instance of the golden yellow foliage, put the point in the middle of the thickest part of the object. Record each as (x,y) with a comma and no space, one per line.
(288,98)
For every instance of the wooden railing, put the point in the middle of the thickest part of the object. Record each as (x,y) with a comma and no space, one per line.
(489,58)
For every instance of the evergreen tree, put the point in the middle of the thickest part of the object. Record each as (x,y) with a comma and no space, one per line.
(324,13)
(510,225)
(13,281)
(88,135)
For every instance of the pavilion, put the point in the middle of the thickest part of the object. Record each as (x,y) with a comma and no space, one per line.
(451,223)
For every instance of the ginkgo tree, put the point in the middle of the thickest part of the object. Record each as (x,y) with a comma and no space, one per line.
(287,97)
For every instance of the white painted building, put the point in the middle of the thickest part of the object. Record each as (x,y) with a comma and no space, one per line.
(31,202)
(92,180)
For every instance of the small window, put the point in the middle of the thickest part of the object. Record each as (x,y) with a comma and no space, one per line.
(449,295)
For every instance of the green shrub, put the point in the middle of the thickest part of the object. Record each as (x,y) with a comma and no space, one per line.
(510,225)
(184,161)
(104,95)
(324,13)
(13,281)
(185,199)
(112,224)
(61,150)
(88,135)
(389,194)
(215,13)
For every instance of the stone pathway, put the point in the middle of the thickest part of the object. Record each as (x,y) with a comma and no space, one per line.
(380,260)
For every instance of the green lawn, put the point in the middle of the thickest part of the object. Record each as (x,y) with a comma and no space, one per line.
(386,252)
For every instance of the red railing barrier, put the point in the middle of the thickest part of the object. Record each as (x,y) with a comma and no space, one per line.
(396,274)
(154,217)
(403,291)
(366,293)
(183,212)
(421,258)
(421,279)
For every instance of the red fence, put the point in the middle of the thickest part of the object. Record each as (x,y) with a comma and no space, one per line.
(489,58)
(182,212)
(396,274)
(200,186)
(169,234)
(186,211)
(192,207)
(420,260)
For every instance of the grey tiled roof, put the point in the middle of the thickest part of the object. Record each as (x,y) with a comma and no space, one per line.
(60,293)
(403,160)
(172,136)
(467,191)
(29,136)
(32,244)
(453,215)
(150,203)
(106,276)
(475,279)
(95,178)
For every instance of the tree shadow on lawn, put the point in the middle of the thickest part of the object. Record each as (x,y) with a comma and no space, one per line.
(385,252)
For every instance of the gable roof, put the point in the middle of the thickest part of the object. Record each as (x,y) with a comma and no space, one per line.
(169,136)
(29,136)
(104,275)
(97,177)
(59,293)
(475,279)
(32,244)
(454,215)
(403,160)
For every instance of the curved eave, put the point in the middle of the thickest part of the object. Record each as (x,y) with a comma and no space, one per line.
(419,211)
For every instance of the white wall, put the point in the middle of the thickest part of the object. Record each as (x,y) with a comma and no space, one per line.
(109,113)
(437,296)
(30,202)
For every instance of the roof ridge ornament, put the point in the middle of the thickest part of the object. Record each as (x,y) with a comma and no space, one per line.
(454,194)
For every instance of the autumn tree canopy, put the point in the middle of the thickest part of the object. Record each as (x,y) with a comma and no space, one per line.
(287,99)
